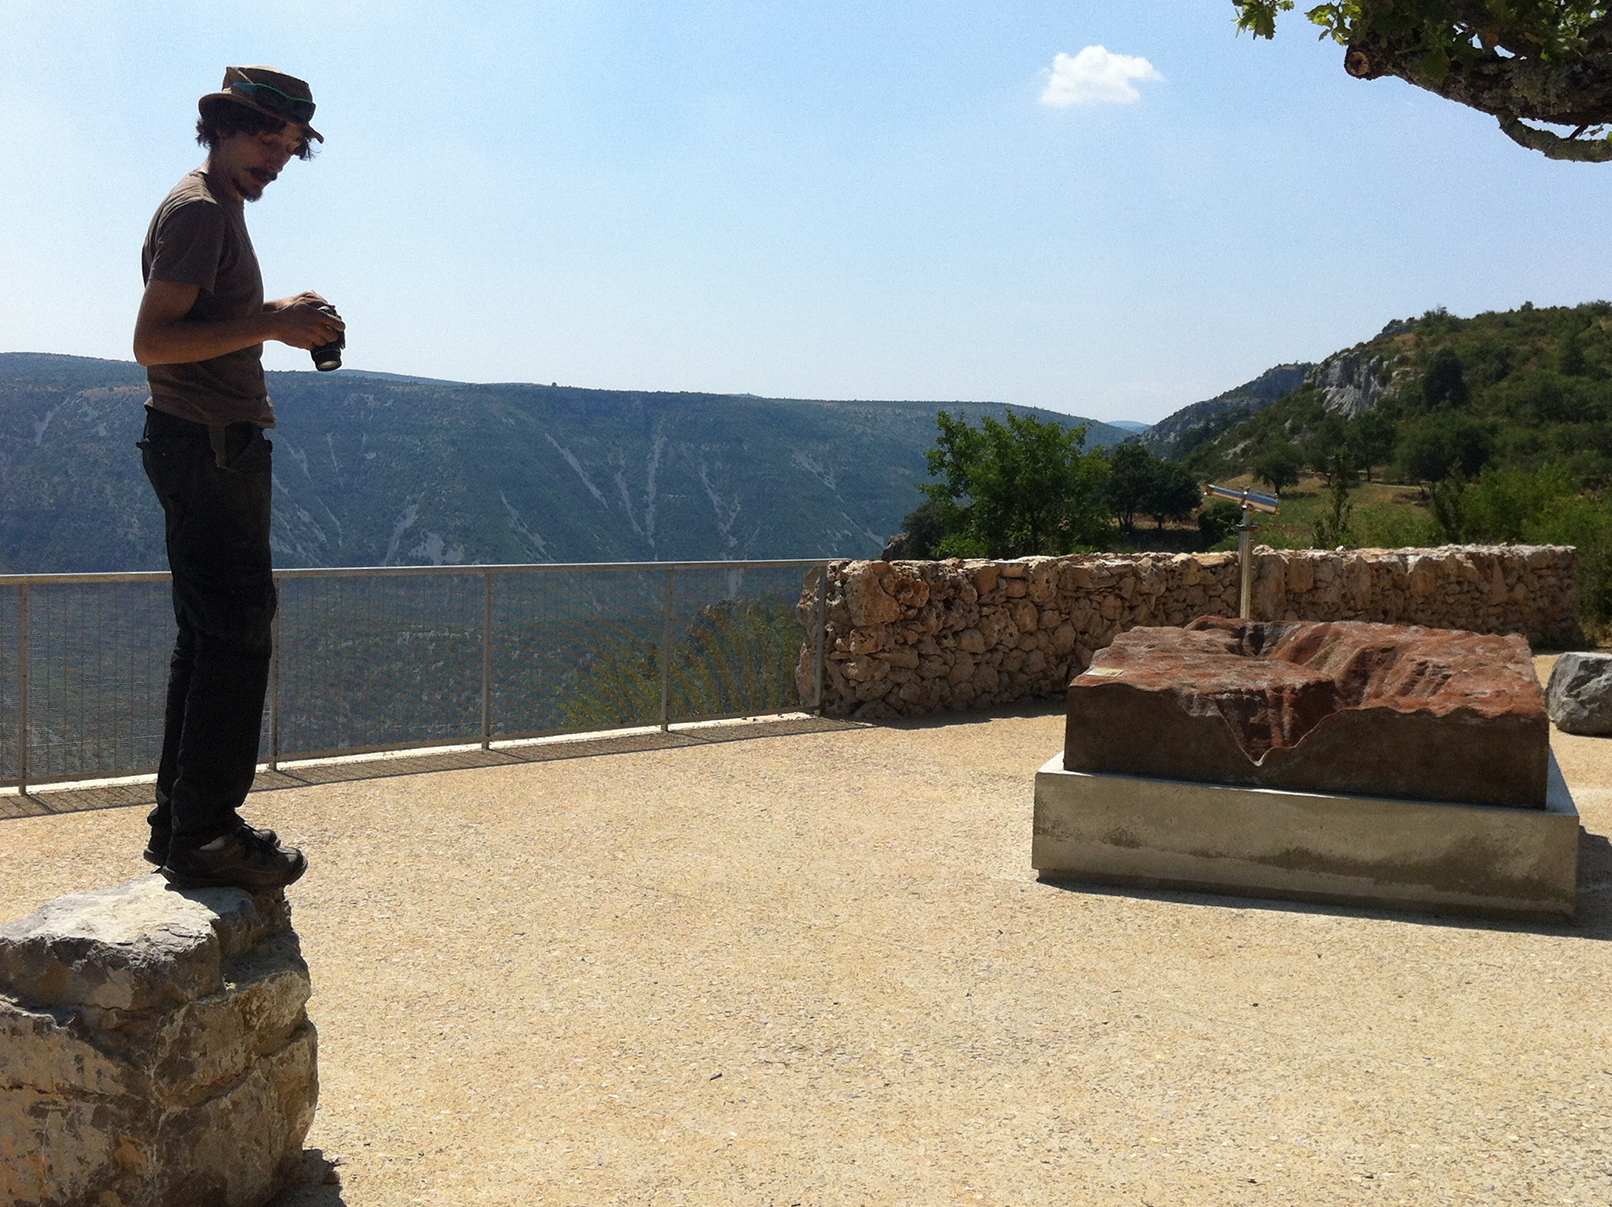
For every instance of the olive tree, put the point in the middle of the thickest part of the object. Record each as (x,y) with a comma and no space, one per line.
(1010,489)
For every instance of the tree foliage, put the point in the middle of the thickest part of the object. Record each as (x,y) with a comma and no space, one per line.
(1016,488)
(1544,505)
(1444,382)
(1141,484)
(1279,465)
(1130,478)
(1520,61)
(1218,521)
(1174,495)
(1331,529)
(1439,444)
(1371,437)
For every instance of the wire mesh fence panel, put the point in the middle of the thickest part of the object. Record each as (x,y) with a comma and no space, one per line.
(576,650)
(10,686)
(367,662)
(736,642)
(98,672)
(373,661)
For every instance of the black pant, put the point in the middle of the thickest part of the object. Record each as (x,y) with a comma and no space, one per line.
(224,600)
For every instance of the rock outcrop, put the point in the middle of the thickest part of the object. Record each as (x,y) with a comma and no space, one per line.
(1350,383)
(1373,709)
(909,638)
(155,1049)
(1579,694)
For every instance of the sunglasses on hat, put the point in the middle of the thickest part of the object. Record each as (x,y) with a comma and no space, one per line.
(281,104)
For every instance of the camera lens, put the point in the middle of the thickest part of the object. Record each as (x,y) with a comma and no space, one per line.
(328,356)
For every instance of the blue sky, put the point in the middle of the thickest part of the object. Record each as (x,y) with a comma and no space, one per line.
(842,200)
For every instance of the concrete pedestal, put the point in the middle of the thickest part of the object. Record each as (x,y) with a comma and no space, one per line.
(1308,846)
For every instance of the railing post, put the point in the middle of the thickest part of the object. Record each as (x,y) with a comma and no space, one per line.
(666,652)
(487,663)
(274,692)
(22,689)
(820,654)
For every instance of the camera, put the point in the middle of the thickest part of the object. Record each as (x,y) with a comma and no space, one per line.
(328,356)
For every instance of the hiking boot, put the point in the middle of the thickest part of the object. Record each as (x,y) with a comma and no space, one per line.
(243,858)
(156,852)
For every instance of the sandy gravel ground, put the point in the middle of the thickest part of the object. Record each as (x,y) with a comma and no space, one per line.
(814,968)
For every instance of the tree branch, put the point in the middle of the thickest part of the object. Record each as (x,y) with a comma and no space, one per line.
(1544,61)
(1554,146)
(1577,92)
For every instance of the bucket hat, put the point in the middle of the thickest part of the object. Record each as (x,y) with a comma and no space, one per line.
(269,91)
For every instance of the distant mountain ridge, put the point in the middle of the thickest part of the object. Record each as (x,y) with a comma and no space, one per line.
(372,469)
(1178,433)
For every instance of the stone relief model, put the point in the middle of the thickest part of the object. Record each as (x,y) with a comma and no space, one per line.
(1348,707)
(1339,761)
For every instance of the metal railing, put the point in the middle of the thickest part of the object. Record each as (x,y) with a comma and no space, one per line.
(378,658)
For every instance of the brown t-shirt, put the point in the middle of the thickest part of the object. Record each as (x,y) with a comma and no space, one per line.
(198,237)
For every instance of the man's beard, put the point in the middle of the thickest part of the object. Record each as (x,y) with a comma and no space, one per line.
(252,180)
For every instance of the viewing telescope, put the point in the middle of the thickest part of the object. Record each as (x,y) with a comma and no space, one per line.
(1246,498)
(1250,501)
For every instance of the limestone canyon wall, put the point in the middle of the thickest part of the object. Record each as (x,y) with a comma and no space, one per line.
(909,638)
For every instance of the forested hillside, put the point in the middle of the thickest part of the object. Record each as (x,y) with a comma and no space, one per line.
(1499,425)
(1515,389)
(376,470)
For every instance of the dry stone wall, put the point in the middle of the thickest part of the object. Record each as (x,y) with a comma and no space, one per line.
(908,638)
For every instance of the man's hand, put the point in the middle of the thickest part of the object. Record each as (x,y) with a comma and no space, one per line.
(300,323)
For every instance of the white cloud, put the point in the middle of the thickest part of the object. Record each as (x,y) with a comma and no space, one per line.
(1096,76)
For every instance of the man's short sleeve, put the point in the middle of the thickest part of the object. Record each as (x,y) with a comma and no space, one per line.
(190,242)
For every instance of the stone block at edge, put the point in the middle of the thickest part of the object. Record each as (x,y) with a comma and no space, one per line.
(137,946)
(236,1148)
(177,1065)
(1579,694)
(239,1148)
(1482,860)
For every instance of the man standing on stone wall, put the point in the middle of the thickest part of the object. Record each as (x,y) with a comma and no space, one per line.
(200,334)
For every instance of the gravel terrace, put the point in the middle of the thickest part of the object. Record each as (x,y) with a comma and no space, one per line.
(807,963)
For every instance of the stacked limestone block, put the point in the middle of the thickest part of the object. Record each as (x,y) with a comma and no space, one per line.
(155,1049)
(908,638)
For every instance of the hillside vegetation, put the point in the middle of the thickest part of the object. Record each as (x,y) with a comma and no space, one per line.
(1495,428)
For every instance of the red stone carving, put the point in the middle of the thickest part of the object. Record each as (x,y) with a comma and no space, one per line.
(1342,706)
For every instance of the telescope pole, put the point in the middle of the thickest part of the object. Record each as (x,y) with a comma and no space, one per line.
(1245,551)
(1251,501)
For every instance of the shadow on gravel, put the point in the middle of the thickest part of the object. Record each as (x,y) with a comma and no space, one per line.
(118,796)
(1594,919)
(1045,706)
(317,1184)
